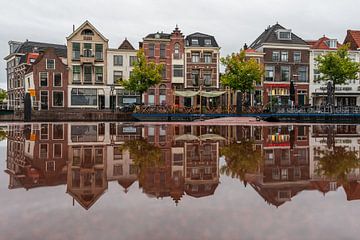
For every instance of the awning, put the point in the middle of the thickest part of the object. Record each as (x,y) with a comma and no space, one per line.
(202,93)
(204,137)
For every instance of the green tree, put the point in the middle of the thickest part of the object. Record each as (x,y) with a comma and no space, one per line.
(3,95)
(144,75)
(241,158)
(241,74)
(337,67)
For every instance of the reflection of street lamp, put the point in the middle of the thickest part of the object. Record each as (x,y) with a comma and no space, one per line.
(112,89)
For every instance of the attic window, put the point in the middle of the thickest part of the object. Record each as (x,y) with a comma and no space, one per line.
(284,35)
(207,42)
(87,32)
(332,43)
(194,41)
(157,35)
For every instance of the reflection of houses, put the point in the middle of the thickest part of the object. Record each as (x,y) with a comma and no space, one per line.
(39,159)
(86,179)
(285,167)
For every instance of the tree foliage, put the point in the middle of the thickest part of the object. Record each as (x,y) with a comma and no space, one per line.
(144,154)
(241,158)
(3,95)
(144,75)
(337,66)
(241,74)
(337,163)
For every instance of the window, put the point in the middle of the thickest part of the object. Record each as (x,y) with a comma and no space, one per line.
(162,95)
(317,76)
(297,56)
(87,50)
(50,64)
(58,99)
(195,77)
(58,131)
(57,80)
(195,57)
(118,60)
(284,35)
(43,79)
(133,169)
(98,74)
(163,72)
(44,98)
(87,32)
(151,97)
(332,43)
(302,71)
(207,57)
(276,56)
(44,132)
(177,51)
(87,74)
(285,73)
(132,60)
(99,52)
(76,51)
(57,150)
(284,56)
(151,50)
(178,70)
(269,73)
(162,51)
(194,41)
(50,166)
(207,42)
(43,150)
(84,96)
(118,170)
(118,76)
(284,174)
(76,73)
(207,78)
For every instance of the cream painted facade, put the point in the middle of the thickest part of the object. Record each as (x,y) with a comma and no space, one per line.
(87,63)
(125,68)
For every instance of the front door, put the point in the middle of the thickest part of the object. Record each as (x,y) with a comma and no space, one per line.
(101,101)
(112,102)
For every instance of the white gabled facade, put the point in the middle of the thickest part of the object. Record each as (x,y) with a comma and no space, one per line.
(345,95)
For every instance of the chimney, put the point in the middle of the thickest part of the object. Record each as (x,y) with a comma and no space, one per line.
(73,27)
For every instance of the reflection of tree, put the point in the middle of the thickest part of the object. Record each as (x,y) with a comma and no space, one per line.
(143,154)
(2,134)
(241,158)
(337,163)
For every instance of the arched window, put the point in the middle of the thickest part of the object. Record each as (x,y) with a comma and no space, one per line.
(87,32)
(177,54)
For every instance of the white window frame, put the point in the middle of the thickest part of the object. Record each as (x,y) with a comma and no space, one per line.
(61,79)
(47,132)
(47,64)
(194,41)
(47,77)
(58,139)
(61,155)
(47,151)
(48,98)
(52,102)
(46,166)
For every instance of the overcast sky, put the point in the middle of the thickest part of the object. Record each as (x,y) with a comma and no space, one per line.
(232,22)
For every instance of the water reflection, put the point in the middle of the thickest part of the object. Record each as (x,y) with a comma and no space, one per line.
(179,161)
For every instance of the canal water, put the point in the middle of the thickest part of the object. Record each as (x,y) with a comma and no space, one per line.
(136,181)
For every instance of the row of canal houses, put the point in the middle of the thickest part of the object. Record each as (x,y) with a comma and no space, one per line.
(88,158)
(84,72)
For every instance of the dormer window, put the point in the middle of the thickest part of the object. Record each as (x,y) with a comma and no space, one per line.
(207,42)
(157,36)
(87,32)
(332,43)
(284,34)
(194,41)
